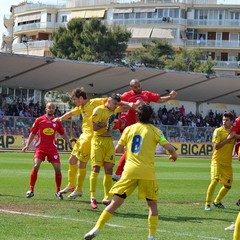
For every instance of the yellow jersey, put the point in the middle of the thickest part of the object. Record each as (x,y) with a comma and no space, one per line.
(100,115)
(86,112)
(140,141)
(224,154)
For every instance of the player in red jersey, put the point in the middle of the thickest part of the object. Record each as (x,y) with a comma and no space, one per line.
(45,130)
(236,132)
(130,117)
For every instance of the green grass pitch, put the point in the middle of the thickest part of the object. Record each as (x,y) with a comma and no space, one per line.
(183,187)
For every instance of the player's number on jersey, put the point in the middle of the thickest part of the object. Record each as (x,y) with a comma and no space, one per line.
(136,143)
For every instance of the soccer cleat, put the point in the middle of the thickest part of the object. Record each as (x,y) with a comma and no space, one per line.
(151,238)
(59,195)
(29,194)
(110,122)
(207,208)
(230,228)
(238,203)
(91,234)
(106,202)
(116,177)
(218,205)
(94,204)
(67,189)
(74,194)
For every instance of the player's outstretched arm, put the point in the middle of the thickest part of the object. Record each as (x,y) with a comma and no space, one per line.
(172,151)
(30,139)
(63,117)
(171,95)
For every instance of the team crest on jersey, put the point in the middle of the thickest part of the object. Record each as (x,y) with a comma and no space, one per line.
(55,156)
(54,125)
(48,131)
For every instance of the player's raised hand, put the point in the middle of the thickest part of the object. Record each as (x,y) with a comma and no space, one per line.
(173,94)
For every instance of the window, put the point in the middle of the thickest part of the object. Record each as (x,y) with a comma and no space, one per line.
(49,17)
(64,18)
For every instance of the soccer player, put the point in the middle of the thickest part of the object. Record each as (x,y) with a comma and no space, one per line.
(81,151)
(236,234)
(221,166)
(102,148)
(140,141)
(130,117)
(45,130)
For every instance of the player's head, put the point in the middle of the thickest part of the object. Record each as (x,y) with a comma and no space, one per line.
(113,101)
(78,96)
(135,86)
(50,109)
(145,113)
(227,119)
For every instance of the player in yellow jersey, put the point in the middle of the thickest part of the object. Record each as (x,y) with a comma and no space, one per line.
(81,150)
(102,148)
(140,140)
(221,165)
(236,234)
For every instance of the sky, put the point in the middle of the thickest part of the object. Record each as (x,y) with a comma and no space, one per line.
(5,9)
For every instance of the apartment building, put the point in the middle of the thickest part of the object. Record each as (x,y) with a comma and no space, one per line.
(213,25)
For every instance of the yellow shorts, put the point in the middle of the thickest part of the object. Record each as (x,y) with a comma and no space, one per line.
(82,148)
(223,173)
(147,189)
(102,150)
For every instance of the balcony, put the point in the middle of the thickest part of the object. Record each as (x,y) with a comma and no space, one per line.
(212,23)
(37,6)
(147,21)
(85,3)
(227,64)
(137,43)
(35,27)
(213,44)
(43,45)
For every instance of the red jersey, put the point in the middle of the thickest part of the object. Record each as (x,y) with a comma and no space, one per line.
(130,96)
(46,130)
(236,126)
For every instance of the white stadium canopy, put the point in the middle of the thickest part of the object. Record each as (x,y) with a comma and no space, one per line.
(48,74)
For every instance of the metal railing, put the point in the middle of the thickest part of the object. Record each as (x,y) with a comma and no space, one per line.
(43,44)
(214,22)
(214,43)
(34,26)
(10,125)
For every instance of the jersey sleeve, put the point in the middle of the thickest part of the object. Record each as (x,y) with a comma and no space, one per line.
(34,128)
(60,130)
(96,116)
(123,138)
(161,138)
(216,136)
(153,97)
(76,111)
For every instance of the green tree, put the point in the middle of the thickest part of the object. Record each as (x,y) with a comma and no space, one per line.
(154,54)
(191,61)
(90,41)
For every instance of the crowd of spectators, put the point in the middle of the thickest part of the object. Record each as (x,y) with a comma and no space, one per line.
(178,117)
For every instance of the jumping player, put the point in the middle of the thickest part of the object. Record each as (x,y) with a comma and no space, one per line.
(130,117)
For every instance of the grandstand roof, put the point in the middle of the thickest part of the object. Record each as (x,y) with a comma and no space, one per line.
(47,74)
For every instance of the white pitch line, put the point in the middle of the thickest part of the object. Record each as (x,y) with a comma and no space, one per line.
(111,225)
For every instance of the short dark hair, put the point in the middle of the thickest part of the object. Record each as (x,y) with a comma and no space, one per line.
(228,115)
(145,113)
(116,97)
(79,92)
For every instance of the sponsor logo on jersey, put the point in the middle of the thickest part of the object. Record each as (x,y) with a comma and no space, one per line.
(48,131)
